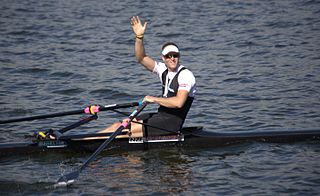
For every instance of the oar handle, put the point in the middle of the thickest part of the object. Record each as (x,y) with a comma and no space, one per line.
(119,106)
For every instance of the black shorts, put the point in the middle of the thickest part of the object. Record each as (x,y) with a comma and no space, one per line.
(160,123)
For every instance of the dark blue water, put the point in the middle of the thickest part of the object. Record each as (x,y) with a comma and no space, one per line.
(257,66)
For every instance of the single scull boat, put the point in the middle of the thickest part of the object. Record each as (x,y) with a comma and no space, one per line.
(190,137)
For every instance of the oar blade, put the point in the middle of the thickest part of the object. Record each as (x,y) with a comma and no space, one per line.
(68,179)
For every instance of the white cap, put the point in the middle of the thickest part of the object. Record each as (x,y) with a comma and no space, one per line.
(170,48)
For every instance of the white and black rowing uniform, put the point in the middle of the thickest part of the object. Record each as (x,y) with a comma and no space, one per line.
(170,119)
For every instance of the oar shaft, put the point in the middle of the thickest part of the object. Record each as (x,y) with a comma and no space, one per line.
(118,106)
(88,110)
(30,118)
(69,178)
(87,136)
(114,134)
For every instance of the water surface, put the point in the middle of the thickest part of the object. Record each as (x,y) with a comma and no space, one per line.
(257,67)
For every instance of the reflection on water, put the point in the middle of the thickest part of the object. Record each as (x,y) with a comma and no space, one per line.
(163,171)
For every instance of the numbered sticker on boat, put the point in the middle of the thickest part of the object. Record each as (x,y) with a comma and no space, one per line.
(52,143)
(159,139)
(135,140)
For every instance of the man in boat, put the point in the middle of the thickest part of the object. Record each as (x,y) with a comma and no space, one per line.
(178,88)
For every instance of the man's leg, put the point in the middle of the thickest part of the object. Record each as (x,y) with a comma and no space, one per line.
(136,129)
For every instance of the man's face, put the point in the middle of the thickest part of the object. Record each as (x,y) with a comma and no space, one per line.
(171,60)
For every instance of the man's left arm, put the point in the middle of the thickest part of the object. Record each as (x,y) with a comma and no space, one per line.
(171,102)
(186,82)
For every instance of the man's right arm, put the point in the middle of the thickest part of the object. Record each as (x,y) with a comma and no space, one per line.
(140,53)
(141,56)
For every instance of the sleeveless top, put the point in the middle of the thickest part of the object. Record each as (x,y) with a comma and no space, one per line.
(179,112)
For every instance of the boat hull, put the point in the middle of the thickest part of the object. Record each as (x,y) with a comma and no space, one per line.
(192,137)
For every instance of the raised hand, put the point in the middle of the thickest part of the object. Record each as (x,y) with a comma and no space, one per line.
(137,27)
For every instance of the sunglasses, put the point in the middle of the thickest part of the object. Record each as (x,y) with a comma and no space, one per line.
(172,55)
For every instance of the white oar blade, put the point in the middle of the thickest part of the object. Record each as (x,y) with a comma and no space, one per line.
(67,179)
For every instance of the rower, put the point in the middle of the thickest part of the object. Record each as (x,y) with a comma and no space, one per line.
(178,88)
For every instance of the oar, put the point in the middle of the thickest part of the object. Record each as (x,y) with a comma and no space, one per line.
(71,177)
(87,110)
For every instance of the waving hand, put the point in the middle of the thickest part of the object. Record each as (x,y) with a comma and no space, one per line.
(137,26)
